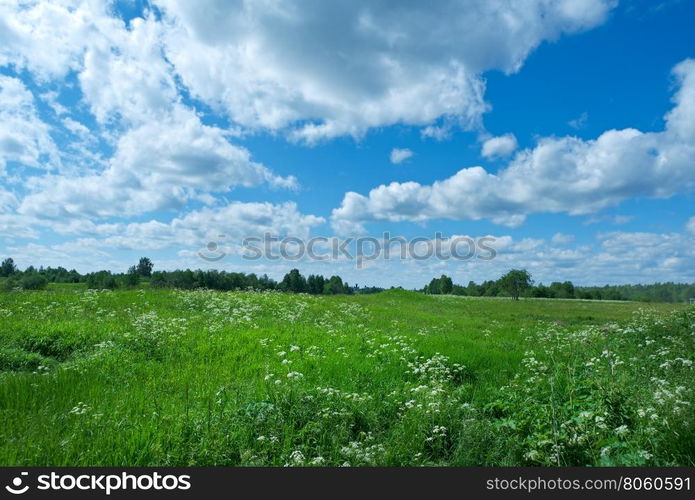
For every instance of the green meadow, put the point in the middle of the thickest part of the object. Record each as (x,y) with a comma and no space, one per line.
(167,377)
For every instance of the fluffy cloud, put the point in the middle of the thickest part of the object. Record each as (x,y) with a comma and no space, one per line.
(503,145)
(652,256)
(617,257)
(120,68)
(48,38)
(14,227)
(24,138)
(227,224)
(564,174)
(562,239)
(124,76)
(400,155)
(148,148)
(690,225)
(8,200)
(320,69)
(163,154)
(159,165)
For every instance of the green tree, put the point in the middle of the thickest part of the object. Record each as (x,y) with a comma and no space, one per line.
(144,268)
(101,280)
(7,268)
(294,282)
(334,286)
(515,282)
(315,284)
(433,287)
(446,285)
(472,289)
(132,277)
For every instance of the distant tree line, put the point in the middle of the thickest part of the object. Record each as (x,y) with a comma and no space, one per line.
(294,282)
(32,278)
(518,283)
(37,279)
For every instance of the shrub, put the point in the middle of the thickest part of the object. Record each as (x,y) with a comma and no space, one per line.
(101,280)
(33,282)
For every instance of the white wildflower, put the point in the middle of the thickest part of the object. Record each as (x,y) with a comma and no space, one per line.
(296,458)
(622,430)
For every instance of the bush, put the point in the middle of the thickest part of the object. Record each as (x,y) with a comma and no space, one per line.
(33,282)
(131,278)
(8,284)
(101,280)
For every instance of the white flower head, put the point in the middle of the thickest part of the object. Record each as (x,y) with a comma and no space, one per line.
(622,430)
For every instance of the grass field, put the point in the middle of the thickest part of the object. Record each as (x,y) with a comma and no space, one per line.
(164,377)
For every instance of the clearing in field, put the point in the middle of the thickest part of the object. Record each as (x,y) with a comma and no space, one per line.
(163,377)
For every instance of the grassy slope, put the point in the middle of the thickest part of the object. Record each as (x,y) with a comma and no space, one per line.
(166,377)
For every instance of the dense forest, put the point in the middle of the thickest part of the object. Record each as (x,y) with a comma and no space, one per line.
(504,287)
(37,279)
(516,283)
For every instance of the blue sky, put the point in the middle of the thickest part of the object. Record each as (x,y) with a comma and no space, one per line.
(564,129)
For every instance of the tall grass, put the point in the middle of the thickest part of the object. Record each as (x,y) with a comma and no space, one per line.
(162,377)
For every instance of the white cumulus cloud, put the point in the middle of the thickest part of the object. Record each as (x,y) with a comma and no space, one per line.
(495,147)
(229,224)
(323,69)
(564,174)
(400,155)
(24,138)
(159,165)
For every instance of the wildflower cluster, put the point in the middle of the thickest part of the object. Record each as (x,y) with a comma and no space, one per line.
(614,395)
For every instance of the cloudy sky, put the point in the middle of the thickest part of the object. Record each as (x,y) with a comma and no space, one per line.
(565,129)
